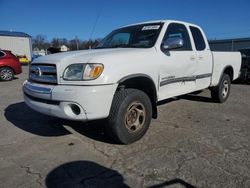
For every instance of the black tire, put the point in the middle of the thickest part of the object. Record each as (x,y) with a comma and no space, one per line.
(221,92)
(6,74)
(130,116)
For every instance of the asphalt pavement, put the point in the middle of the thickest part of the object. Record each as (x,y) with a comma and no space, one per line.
(193,143)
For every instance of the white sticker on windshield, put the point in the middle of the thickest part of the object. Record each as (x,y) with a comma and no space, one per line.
(151,27)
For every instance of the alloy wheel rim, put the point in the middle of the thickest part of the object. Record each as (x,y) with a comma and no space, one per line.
(135,117)
(225,89)
(6,74)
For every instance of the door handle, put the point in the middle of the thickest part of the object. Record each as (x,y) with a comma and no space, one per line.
(192,58)
(201,57)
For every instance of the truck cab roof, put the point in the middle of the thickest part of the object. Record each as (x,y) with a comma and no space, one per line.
(160,21)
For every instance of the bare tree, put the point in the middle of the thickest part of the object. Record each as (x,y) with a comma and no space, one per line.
(58,42)
(39,42)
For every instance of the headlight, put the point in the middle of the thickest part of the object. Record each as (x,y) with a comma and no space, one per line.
(88,71)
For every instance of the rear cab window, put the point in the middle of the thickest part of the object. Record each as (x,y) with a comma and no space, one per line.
(199,41)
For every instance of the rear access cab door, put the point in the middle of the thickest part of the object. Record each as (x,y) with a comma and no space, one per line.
(204,58)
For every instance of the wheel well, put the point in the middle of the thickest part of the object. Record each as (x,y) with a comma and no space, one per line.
(229,71)
(144,84)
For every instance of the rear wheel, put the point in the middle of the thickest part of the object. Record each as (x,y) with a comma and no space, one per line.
(130,116)
(6,74)
(221,92)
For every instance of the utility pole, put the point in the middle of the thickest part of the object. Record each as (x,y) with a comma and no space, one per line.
(77,45)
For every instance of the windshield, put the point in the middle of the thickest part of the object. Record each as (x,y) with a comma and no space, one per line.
(137,36)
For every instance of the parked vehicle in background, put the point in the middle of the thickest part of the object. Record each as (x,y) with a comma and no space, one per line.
(9,65)
(245,66)
(53,50)
(129,72)
(23,59)
(18,43)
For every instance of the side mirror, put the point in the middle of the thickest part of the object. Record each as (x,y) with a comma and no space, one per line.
(172,43)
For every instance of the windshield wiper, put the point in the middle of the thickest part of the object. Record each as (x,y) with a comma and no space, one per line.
(100,47)
(115,46)
(120,46)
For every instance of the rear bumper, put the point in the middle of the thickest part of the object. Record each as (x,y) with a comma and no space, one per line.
(70,102)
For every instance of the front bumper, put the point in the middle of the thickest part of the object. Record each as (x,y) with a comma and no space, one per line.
(70,102)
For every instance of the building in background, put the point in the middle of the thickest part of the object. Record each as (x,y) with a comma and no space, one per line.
(18,43)
(230,44)
(64,48)
(238,44)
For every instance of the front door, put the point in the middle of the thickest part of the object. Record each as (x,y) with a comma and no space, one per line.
(178,66)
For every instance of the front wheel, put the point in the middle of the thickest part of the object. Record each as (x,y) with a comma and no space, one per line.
(6,74)
(221,92)
(130,116)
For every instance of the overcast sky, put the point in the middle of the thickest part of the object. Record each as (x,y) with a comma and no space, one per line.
(67,19)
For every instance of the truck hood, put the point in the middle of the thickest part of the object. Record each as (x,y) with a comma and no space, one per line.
(117,62)
(86,56)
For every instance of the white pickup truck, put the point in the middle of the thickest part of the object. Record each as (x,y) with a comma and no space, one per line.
(129,72)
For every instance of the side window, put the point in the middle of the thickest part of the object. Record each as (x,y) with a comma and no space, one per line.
(1,54)
(179,30)
(198,39)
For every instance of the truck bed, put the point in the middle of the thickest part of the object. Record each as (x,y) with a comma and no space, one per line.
(222,60)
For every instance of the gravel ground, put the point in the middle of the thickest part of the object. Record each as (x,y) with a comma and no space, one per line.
(193,143)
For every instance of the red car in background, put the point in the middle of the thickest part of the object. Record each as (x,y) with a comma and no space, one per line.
(9,65)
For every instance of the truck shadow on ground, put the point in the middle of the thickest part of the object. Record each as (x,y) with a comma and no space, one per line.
(190,97)
(91,174)
(25,118)
(20,115)
(197,98)
(238,82)
(28,120)
(93,129)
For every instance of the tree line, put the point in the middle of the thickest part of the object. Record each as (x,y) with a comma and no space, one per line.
(40,42)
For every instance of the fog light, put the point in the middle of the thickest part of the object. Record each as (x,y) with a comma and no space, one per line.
(75,109)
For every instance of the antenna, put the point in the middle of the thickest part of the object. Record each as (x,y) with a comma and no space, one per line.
(93,29)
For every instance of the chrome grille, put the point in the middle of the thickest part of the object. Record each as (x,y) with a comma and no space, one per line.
(43,73)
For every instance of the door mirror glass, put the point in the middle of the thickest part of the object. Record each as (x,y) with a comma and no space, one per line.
(172,43)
